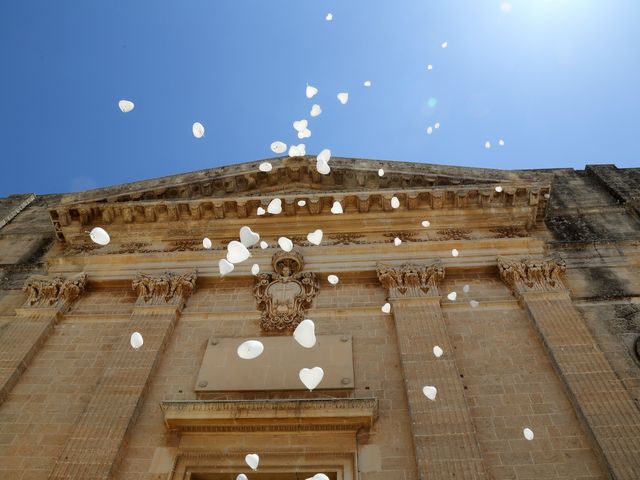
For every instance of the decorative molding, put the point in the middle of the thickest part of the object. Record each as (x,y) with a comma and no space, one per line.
(327,414)
(411,280)
(510,232)
(53,292)
(403,235)
(527,275)
(454,234)
(284,296)
(347,238)
(15,211)
(166,289)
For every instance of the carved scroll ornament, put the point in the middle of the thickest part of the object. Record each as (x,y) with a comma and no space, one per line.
(414,280)
(284,296)
(54,292)
(528,275)
(167,288)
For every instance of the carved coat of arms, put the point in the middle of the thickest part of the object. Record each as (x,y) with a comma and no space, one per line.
(285,295)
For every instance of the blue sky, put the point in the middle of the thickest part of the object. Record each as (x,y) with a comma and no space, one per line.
(558,80)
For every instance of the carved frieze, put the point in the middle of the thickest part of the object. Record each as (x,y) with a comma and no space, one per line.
(454,234)
(529,275)
(53,292)
(285,295)
(166,289)
(411,280)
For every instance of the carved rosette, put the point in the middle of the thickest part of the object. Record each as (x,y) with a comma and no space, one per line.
(54,292)
(285,295)
(411,280)
(527,275)
(166,289)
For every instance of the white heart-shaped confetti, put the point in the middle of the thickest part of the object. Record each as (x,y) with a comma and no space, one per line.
(395,202)
(474,303)
(333,279)
(397,242)
(437,351)
(297,150)
(310,91)
(487,145)
(136,340)
(429,67)
(250,349)
(302,203)
(318,476)
(436,125)
(125,106)
(501,142)
(315,237)
(343,97)
(315,110)
(261,211)
(252,460)
(430,392)
(300,125)
(198,130)
(329,17)
(265,167)
(323,167)
(454,252)
(528,433)
(498,189)
(264,245)
(237,252)
(386,308)
(367,83)
(444,44)
(305,333)
(336,208)
(452,296)
(278,147)
(206,243)
(247,237)
(306,133)
(380,172)
(225,267)
(311,377)
(324,155)
(285,244)
(466,289)
(100,236)
(429,130)
(255,269)
(275,206)
(242,476)
(426,223)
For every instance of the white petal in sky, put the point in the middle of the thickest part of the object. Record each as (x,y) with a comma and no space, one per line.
(300,125)
(325,155)
(125,106)
(487,145)
(436,125)
(343,97)
(311,91)
(367,83)
(429,67)
(265,167)
(429,130)
(329,17)
(444,44)
(501,142)
(306,133)
(315,110)
(278,147)
(198,130)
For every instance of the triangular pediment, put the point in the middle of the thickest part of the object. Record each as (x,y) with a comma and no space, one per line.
(290,176)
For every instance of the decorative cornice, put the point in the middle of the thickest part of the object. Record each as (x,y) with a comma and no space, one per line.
(53,292)
(527,275)
(166,289)
(411,280)
(270,415)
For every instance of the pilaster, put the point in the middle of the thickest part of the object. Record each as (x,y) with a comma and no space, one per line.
(443,432)
(94,447)
(598,395)
(34,322)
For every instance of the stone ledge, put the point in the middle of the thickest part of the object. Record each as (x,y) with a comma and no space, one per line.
(335,414)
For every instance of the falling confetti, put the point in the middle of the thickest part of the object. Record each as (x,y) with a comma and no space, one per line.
(397,242)
(452,296)
(305,333)
(285,244)
(528,433)
(264,245)
(367,83)
(315,110)
(306,133)
(329,17)
(386,308)
(315,237)
(250,349)
(300,125)
(100,236)
(501,142)
(225,267)
(454,252)
(473,303)
(343,97)
(278,147)
(333,279)
(466,289)
(436,125)
(136,340)
(125,106)
(302,203)
(206,243)
(444,44)
(437,351)
(311,91)
(311,377)
(248,237)
(381,172)
(426,223)
(498,189)
(487,145)
(198,130)
(261,211)
(275,206)
(429,67)
(395,202)
(252,460)
(297,150)
(336,208)
(255,269)
(430,392)
(429,130)
(265,167)
(237,252)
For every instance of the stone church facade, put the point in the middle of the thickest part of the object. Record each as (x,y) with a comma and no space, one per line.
(542,332)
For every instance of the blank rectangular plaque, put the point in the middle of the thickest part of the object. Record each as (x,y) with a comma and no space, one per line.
(278,366)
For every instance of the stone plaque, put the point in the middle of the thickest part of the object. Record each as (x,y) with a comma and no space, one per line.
(278,366)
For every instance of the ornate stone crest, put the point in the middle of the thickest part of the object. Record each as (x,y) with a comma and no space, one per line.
(285,295)
(167,288)
(54,292)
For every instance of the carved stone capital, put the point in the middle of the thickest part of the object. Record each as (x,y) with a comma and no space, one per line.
(285,295)
(165,289)
(527,275)
(411,280)
(53,292)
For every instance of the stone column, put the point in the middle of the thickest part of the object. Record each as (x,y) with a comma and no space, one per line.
(34,322)
(598,395)
(443,432)
(95,445)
